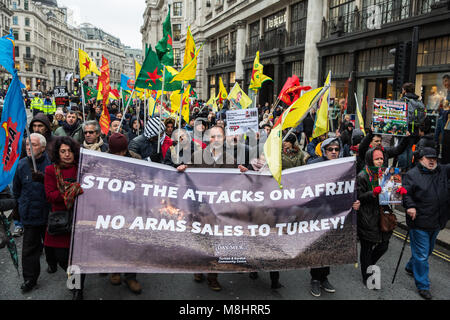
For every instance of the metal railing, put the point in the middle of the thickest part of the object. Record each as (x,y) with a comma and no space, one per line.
(375,14)
(218,59)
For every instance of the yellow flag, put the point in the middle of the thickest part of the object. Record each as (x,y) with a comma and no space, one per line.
(185,110)
(299,108)
(272,152)
(222,95)
(189,71)
(321,126)
(238,99)
(189,50)
(137,69)
(87,65)
(175,101)
(257,74)
(151,106)
(360,119)
(212,103)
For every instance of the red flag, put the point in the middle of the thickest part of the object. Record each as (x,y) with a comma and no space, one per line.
(290,82)
(104,79)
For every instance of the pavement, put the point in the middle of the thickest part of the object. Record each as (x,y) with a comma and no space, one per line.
(443,238)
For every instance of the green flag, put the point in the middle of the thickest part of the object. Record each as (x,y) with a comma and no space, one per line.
(164,48)
(151,75)
(193,94)
(89,92)
(126,95)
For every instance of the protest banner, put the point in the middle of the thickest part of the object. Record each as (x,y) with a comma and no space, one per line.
(61,96)
(149,218)
(241,121)
(390,117)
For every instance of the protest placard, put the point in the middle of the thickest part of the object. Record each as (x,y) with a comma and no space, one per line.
(241,121)
(390,117)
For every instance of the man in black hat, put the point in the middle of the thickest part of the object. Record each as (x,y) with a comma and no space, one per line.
(426,205)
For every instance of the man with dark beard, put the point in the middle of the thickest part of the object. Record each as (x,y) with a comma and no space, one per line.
(71,127)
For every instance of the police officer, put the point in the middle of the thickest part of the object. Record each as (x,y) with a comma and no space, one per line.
(37,104)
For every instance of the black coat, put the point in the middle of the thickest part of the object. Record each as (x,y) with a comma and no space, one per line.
(428,193)
(368,217)
(146,148)
(30,195)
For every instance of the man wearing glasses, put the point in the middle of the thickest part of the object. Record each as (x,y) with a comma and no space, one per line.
(331,150)
(92,139)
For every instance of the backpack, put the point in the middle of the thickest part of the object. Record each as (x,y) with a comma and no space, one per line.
(416,114)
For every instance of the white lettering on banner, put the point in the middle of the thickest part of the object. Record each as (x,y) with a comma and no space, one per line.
(291,228)
(328,189)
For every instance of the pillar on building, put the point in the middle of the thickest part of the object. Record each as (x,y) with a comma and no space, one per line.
(240,51)
(33,84)
(313,36)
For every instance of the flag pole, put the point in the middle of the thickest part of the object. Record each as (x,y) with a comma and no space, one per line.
(82,99)
(181,110)
(121,97)
(126,109)
(161,106)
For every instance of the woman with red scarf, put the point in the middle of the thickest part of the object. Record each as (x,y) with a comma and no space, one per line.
(61,189)
(374,242)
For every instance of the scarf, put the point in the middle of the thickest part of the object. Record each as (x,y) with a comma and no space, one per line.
(95,146)
(69,128)
(374,174)
(68,190)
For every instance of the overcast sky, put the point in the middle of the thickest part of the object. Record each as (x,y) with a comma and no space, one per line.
(122,19)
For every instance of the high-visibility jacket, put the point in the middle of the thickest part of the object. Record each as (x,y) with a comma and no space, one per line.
(37,104)
(49,108)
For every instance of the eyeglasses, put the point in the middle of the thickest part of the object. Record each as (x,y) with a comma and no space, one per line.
(89,132)
(333,149)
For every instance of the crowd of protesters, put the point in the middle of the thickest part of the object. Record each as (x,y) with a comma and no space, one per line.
(56,143)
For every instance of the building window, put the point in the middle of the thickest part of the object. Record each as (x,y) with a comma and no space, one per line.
(298,23)
(27,22)
(28,66)
(434,52)
(223,45)
(341,18)
(16,35)
(177,9)
(15,20)
(232,79)
(214,47)
(17,65)
(275,21)
(274,28)
(14,5)
(254,38)
(233,36)
(212,86)
(27,36)
(380,12)
(25,5)
(177,56)
(339,65)
(176,32)
(297,69)
(28,52)
(16,50)
(377,59)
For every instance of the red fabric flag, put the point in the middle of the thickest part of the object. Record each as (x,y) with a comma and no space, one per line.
(104,79)
(290,82)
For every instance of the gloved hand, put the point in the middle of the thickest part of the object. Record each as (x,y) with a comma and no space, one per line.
(402,191)
(37,176)
(376,191)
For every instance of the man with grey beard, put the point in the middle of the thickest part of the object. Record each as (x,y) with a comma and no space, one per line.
(427,206)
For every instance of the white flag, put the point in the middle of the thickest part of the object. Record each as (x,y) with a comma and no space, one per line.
(68,76)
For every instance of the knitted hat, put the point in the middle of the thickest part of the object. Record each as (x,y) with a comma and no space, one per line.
(152,127)
(117,142)
(291,138)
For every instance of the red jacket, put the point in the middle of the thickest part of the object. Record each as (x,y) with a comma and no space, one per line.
(56,200)
(167,143)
